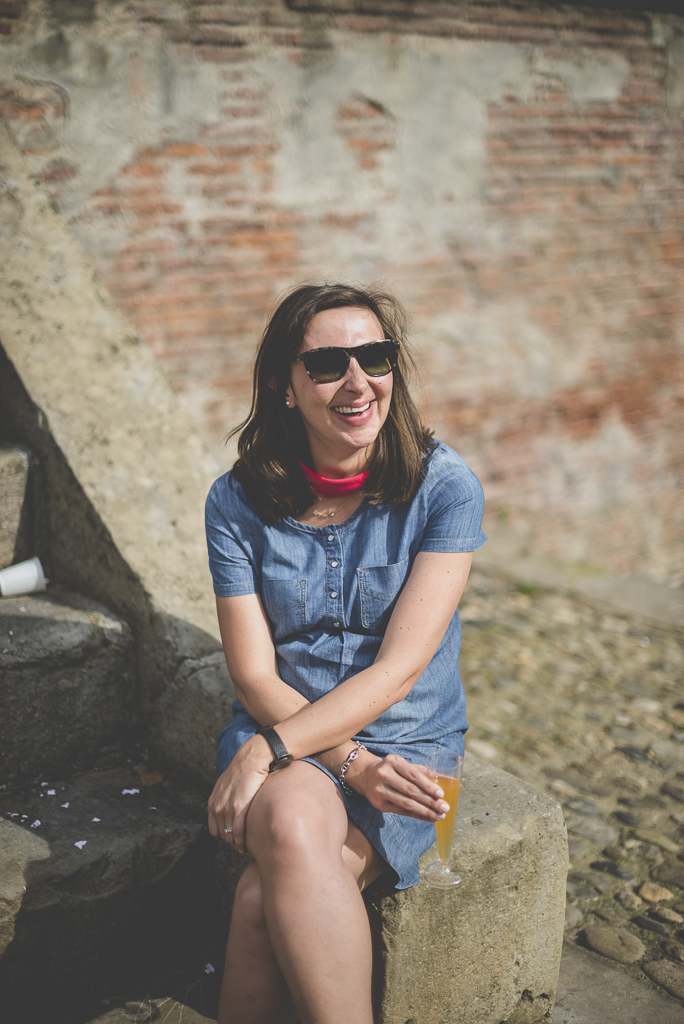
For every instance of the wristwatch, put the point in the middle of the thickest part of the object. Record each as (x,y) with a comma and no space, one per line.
(281,758)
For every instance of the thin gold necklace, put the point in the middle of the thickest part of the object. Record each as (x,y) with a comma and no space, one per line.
(329,515)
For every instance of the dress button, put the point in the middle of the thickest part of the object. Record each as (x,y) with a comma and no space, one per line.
(336,624)
(333,593)
(331,536)
(334,564)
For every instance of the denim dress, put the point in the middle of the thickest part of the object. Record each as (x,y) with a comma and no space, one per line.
(328,592)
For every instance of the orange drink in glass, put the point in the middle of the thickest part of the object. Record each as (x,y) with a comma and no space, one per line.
(445,767)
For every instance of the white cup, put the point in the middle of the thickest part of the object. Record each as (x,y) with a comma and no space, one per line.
(22,578)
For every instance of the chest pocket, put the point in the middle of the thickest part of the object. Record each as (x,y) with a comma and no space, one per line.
(379,588)
(285,604)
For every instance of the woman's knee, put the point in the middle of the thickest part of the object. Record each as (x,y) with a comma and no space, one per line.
(295,821)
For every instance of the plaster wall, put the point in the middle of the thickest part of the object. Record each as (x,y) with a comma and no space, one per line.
(512,171)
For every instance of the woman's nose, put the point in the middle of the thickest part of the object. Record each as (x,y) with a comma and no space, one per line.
(356,378)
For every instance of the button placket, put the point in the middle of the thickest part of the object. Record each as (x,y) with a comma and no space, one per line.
(333,583)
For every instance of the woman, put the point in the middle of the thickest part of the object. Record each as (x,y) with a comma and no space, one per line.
(339,545)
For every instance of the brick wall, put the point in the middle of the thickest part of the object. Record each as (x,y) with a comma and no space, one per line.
(512,170)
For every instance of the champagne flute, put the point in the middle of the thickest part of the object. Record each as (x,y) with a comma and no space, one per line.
(445,767)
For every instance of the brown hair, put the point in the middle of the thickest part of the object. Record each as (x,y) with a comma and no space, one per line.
(272,438)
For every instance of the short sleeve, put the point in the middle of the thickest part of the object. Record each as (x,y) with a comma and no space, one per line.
(455,505)
(230,564)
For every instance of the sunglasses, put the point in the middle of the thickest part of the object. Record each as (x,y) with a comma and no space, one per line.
(326,365)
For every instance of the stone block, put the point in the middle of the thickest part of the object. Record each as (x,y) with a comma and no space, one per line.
(489,950)
(14,471)
(133,900)
(190,714)
(67,684)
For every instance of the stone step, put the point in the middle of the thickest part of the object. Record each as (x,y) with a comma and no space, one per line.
(102,881)
(67,684)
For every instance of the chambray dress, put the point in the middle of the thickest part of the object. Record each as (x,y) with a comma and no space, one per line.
(328,592)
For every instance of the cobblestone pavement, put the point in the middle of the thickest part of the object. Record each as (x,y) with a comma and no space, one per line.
(588,705)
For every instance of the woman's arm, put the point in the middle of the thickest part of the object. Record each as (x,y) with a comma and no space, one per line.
(251,660)
(425,607)
(419,621)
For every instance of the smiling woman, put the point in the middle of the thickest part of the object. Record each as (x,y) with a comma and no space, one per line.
(271,439)
(342,641)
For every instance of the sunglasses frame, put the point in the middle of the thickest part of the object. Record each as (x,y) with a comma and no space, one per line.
(350,353)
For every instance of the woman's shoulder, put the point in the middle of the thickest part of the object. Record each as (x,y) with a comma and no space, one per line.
(227,498)
(444,465)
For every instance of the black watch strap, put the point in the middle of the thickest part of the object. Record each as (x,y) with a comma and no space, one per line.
(280,752)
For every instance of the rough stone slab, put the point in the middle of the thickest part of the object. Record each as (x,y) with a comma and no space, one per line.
(668,975)
(591,828)
(591,990)
(67,683)
(615,943)
(191,713)
(490,950)
(669,874)
(135,898)
(14,468)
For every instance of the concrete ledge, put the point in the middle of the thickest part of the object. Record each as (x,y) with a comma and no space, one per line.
(490,950)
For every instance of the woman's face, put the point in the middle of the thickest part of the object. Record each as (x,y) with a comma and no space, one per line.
(346,416)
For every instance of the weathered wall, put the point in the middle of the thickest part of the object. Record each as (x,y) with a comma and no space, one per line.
(513,170)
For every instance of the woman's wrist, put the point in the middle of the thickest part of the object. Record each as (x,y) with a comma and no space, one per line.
(357,768)
(257,752)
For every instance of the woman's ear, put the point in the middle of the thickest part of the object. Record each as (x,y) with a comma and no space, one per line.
(288,397)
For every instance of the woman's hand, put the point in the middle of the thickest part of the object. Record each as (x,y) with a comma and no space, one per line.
(395,785)
(235,790)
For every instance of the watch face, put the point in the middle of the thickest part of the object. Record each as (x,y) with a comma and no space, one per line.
(282,762)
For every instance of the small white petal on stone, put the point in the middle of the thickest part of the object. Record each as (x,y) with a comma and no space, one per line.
(66,804)
(36,823)
(208,969)
(153,808)
(13,814)
(81,843)
(131,791)
(45,783)
(52,792)
(97,819)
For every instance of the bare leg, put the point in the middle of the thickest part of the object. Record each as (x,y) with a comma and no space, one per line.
(311,863)
(253,989)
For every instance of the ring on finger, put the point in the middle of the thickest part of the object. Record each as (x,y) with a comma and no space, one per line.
(228,828)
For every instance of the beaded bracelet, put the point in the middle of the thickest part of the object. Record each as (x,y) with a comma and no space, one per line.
(346,789)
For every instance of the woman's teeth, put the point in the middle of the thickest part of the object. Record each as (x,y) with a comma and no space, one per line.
(347,410)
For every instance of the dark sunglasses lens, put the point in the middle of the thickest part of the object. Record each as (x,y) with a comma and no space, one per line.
(378,359)
(326,365)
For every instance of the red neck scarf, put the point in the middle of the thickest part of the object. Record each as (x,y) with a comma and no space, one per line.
(333,488)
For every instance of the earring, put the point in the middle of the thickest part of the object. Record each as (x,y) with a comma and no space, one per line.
(287,402)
